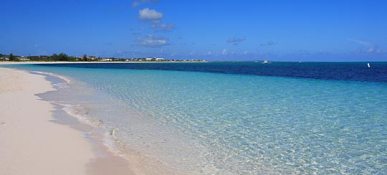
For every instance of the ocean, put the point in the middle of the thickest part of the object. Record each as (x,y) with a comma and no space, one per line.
(236,117)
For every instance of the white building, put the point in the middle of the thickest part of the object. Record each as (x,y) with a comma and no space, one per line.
(106,59)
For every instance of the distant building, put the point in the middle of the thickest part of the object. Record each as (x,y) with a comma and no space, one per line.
(105,59)
(23,58)
(4,58)
(91,58)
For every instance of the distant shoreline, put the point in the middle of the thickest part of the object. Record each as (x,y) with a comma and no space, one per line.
(90,62)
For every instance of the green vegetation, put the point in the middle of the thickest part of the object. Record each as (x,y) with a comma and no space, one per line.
(66,58)
(12,57)
(63,57)
(54,57)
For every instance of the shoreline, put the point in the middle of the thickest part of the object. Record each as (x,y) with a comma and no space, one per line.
(94,62)
(46,143)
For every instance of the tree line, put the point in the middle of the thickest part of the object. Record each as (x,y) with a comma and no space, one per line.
(53,57)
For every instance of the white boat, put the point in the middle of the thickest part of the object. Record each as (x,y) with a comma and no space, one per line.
(368,65)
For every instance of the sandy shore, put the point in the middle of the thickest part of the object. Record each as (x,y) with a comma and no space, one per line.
(32,143)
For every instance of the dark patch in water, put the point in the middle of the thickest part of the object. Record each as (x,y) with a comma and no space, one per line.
(356,71)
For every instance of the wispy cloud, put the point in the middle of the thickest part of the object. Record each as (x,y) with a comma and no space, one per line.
(153,41)
(163,26)
(361,42)
(150,14)
(267,44)
(136,3)
(375,49)
(368,47)
(235,40)
(224,52)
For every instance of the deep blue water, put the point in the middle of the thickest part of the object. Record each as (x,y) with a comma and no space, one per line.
(357,71)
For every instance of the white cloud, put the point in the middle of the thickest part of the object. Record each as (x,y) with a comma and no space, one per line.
(150,14)
(152,41)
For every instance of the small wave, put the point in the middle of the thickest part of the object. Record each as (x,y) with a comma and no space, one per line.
(65,79)
(82,114)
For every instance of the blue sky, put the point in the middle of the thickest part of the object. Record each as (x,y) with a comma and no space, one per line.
(294,30)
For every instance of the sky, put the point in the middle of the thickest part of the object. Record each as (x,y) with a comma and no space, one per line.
(225,30)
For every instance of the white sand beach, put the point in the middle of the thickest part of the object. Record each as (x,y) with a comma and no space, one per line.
(32,143)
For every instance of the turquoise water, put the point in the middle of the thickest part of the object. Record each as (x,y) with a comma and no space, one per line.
(211,123)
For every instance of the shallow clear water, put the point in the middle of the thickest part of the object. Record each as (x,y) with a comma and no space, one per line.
(238,124)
